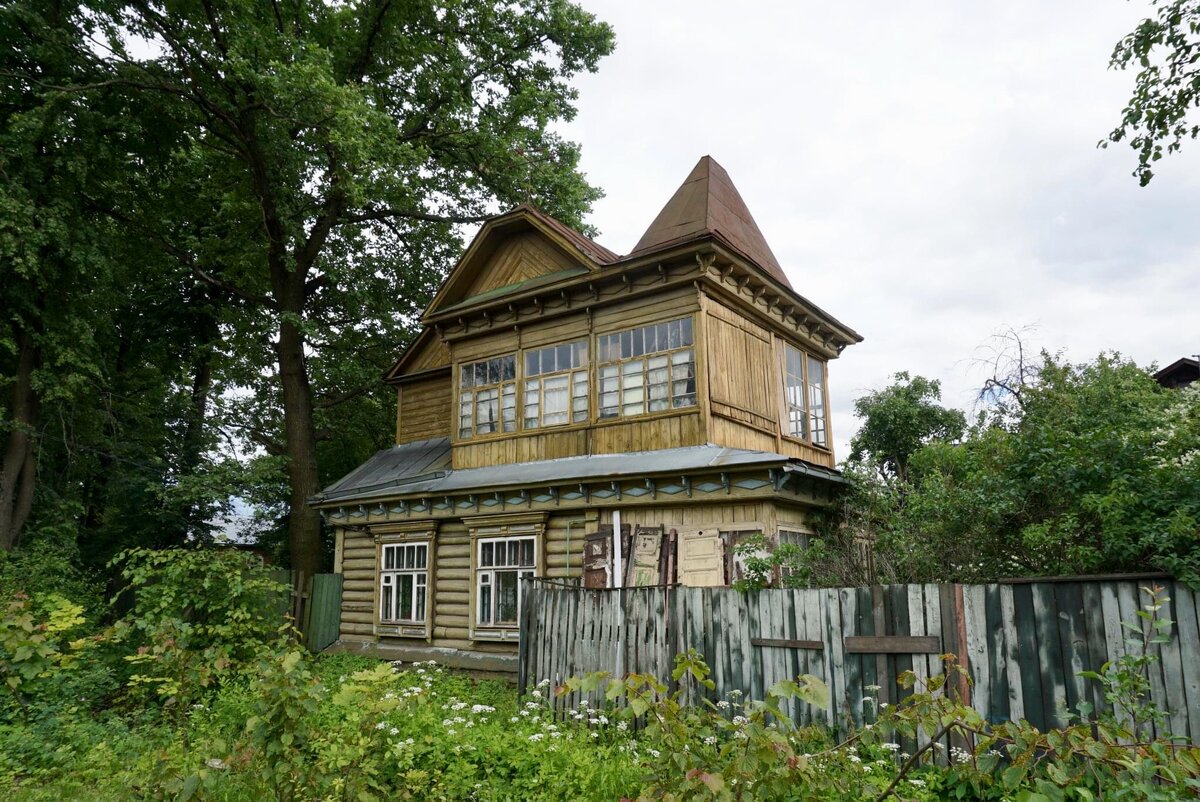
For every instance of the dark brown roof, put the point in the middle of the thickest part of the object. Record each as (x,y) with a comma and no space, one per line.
(709,203)
(593,250)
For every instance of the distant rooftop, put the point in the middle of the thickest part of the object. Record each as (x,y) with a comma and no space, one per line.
(1179,373)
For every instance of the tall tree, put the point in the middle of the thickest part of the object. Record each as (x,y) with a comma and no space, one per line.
(898,420)
(324,155)
(1166,50)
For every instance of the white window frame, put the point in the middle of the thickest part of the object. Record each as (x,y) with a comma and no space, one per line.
(406,533)
(487,585)
(390,579)
(492,529)
(805,401)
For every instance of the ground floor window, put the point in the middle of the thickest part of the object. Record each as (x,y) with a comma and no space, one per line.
(501,562)
(403,582)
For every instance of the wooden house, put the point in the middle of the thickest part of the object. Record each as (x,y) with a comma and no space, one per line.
(677,396)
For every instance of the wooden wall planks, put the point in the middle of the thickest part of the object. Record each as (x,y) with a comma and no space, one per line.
(1025,644)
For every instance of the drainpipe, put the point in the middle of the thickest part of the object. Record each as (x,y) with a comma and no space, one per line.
(618,559)
(618,582)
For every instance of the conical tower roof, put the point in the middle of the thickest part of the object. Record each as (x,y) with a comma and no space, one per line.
(709,203)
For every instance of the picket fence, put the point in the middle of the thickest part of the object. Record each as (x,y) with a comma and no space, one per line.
(1024,643)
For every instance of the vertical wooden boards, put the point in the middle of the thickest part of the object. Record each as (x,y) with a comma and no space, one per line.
(324,611)
(848,600)
(1189,654)
(976,657)
(1029,670)
(999,660)
(1050,662)
(1174,699)
(1026,642)
(1072,641)
(1012,654)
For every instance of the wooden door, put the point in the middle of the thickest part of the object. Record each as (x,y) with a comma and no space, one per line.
(701,558)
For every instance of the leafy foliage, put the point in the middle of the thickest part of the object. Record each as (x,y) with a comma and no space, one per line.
(1165,49)
(1098,470)
(900,419)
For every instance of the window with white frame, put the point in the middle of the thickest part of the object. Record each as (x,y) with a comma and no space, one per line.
(403,582)
(487,400)
(501,562)
(790,538)
(647,369)
(804,394)
(556,385)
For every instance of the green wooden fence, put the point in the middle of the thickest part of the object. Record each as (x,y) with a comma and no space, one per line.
(313,603)
(1024,643)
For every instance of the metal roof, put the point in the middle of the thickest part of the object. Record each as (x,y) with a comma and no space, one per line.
(423,468)
(708,202)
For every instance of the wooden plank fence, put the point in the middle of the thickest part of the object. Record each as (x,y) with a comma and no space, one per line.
(1024,643)
(314,603)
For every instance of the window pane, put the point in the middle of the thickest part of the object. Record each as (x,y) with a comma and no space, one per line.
(527,552)
(419,612)
(580,354)
(386,597)
(485,554)
(685,331)
(422,553)
(389,558)
(509,406)
(532,364)
(485,600)
(651,334)
(406,597)
(508,368)
(506,597)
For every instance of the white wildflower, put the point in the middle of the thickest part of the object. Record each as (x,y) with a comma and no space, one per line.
(622,726)
(711,740)
(891,747)
(723,704)
(381,725)
(482,709)
(740,720)
(537,736)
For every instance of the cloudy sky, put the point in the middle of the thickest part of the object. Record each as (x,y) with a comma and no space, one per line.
(926,172)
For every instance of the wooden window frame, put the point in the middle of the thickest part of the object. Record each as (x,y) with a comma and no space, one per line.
(572,375)
(622,364)
(492,528)
(785,428)
(461,391)
(397,534)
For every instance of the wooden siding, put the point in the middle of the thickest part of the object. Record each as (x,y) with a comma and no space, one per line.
(450,579)
(745,378)
(520,258)
(423,409)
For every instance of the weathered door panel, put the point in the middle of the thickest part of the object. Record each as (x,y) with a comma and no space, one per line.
(645,562)
(596,562)
(701,558)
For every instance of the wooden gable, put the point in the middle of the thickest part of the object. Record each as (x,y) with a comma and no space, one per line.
(517,250)
(426,353)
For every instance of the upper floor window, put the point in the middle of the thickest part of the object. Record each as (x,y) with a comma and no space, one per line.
(556,385)
(804,390)
(487,401)
(647,369)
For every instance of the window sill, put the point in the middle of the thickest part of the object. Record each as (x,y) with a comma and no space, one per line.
(808,443)
(394,629)
(500,634)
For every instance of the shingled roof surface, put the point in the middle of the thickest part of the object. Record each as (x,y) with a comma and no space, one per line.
(709,203)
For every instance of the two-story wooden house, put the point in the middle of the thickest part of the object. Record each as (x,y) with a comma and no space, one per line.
(678,396)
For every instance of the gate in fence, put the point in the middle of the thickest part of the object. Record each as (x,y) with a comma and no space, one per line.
(1023,642)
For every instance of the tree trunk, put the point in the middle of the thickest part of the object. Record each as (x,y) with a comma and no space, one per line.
(18,471)
(304,523)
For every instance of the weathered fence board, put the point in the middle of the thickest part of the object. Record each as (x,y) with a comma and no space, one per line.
(1024,644)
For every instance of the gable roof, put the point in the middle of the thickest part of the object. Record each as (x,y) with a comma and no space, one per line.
(709,203)
(579,251)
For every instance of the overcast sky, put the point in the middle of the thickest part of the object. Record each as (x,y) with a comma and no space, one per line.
(925,172)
